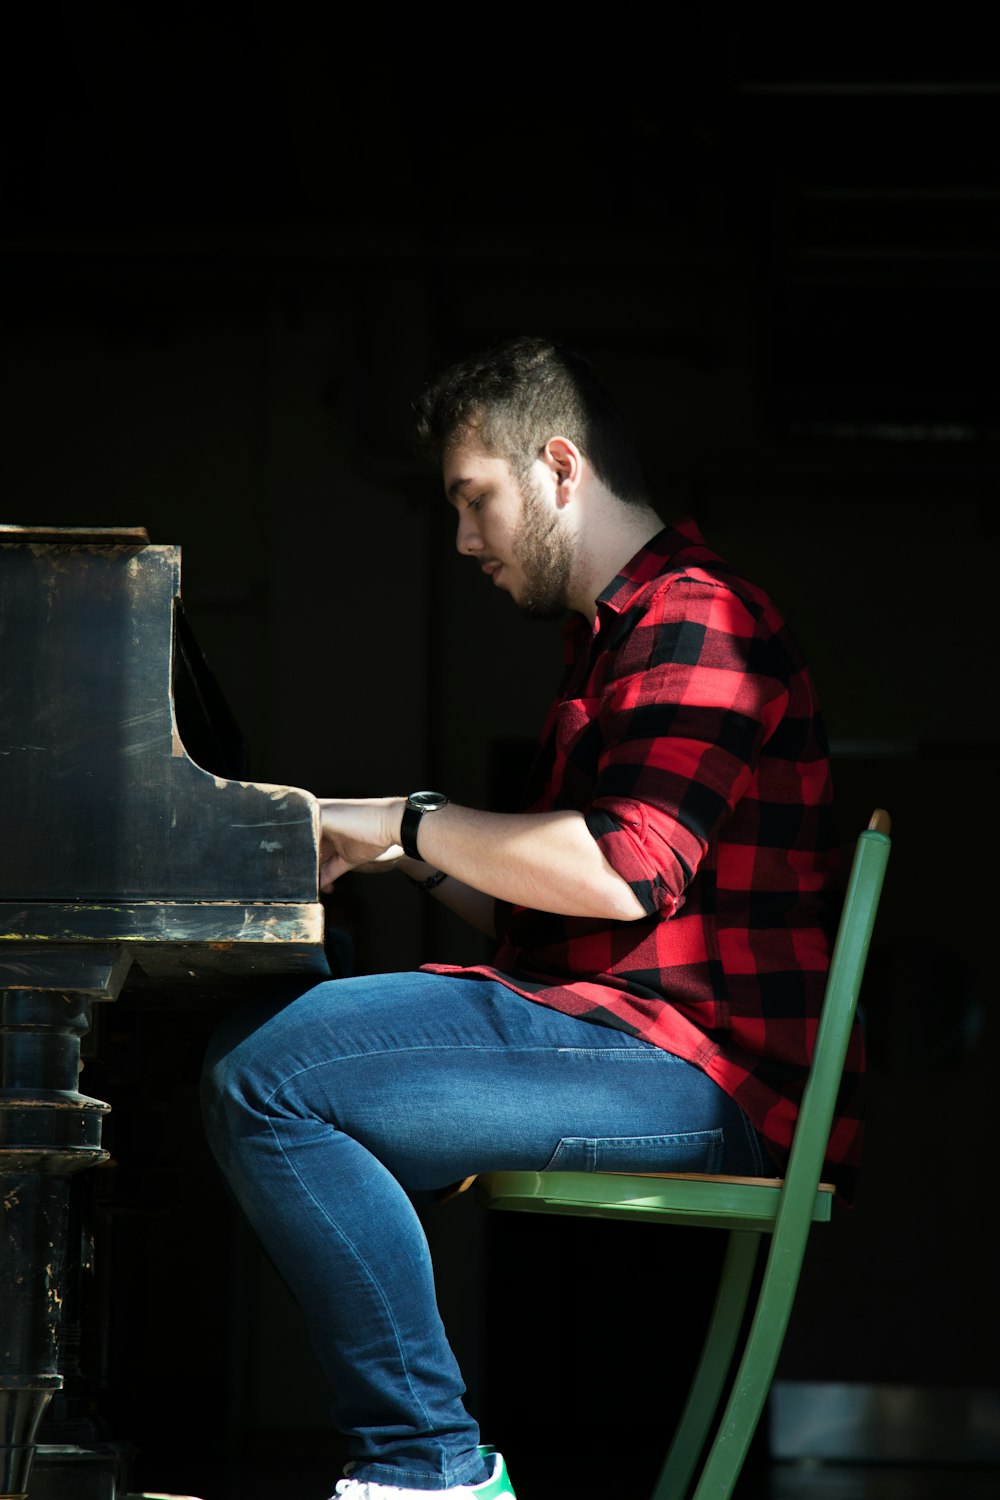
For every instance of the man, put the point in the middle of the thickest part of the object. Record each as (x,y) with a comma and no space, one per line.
(661,907)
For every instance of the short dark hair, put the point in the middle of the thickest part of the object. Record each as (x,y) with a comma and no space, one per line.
(515,396)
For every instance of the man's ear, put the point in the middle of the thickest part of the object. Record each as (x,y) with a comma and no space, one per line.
(565,462)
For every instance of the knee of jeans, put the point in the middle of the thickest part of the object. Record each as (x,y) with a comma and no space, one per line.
(226,1087)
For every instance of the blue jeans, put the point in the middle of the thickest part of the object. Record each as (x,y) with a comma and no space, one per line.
(331,1114)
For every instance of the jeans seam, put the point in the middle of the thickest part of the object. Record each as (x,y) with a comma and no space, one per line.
(653,1055)
(616,1052)
(754,1143)
(360,1260)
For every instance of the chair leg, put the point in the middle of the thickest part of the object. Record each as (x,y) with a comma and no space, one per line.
(753,1379)
(713,1366)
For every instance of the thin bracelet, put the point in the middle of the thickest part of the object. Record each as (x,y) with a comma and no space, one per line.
(430,883)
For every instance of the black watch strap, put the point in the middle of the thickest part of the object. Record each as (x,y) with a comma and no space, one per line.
(417,804)
(431,883)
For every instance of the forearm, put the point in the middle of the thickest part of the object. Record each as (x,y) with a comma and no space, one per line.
(548,861)
(474,907)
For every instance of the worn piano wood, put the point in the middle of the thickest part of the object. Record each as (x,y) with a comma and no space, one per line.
(130,851)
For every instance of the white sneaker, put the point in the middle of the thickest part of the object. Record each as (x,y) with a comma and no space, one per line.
(497,1487)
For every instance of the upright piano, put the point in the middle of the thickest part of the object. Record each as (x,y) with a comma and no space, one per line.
(132,853)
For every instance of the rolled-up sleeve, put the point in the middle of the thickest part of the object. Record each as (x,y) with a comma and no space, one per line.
(697,690)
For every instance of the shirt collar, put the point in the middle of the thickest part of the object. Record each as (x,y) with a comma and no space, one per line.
(683,537)
(650,561)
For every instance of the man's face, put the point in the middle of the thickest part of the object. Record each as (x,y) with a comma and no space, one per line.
(513,531)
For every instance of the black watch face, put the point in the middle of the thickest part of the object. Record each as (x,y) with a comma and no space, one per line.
(427,801)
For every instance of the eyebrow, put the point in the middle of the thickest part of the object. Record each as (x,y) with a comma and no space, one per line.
(455,486)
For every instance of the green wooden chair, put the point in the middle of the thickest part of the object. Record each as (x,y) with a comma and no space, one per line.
(748,1207)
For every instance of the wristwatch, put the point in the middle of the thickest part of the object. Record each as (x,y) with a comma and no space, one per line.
(417,804)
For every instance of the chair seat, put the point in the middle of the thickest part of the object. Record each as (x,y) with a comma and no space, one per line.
(678,1197)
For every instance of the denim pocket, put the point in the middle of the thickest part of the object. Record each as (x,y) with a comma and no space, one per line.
(686,1151)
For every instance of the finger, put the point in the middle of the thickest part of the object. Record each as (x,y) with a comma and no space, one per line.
(330,872)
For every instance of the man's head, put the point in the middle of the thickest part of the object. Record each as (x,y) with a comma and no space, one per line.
(542,473)
(512,399)
(515,531)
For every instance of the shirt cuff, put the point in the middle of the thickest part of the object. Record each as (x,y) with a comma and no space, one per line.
(623,838)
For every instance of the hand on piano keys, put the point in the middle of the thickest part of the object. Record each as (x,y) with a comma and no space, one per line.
(357,833)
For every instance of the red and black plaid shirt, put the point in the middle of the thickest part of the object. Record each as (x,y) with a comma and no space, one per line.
(687,732)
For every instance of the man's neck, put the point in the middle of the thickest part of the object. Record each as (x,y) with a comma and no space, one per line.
(613,534)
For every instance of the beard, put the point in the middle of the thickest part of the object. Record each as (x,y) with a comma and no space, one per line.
(542,548)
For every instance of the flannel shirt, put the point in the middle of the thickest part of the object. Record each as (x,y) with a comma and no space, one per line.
(687,732)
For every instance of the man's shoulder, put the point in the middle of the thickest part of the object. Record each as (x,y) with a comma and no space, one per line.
(677,561)
(697,610)
(698,582)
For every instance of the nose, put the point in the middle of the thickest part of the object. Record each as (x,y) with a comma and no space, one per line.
(467,537)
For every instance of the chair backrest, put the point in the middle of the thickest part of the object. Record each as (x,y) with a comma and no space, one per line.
(840,1003)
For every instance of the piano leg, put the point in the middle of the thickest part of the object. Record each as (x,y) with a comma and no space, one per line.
(48,1130)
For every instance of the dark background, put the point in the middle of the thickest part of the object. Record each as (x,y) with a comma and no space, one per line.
(234,243)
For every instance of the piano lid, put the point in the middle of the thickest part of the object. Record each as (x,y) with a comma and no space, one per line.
(102,536)
(100,799)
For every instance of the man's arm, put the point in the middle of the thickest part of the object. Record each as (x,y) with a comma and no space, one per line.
(547,861)
(474,907)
